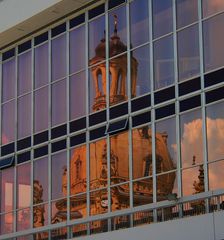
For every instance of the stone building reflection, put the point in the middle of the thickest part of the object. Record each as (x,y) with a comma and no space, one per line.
(119,152)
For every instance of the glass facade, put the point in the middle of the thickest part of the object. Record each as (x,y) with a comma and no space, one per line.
(113,109)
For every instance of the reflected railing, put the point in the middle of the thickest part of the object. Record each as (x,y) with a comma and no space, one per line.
(160,212)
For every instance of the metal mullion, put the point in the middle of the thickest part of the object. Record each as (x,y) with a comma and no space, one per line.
(153,134)
(129,79)
(1,89)
(203,102)
(32,131)
(87,120)
(68,117)
(179,182)
(49,132)
(108,110)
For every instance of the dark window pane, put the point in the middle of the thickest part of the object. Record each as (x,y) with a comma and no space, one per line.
(23,143)
(23,157)
(214,77)
(59,102)
(213,42)
(141,119)
(188,53)
(7,149)
(164,95)
(191,138)
(41,38)
(140,71)
(139,22)
(39,152)
(24,46)
(77,49)
(59,29)
(41,137)
(114,3)
(78,139)
(8,122)
(57,146)
(10,53)
(163,62)
(97,118)
(77,20)
(189,86)
(7,162)
(41,65)
(117,126)
(58,131)
(8,80)
(162,17)
(24,116)
(77,91)
(77,125)
(214,95)
(141,103)
(58,57)
(190,103)
(119,110)
(215,130)
(165,111)
(41,113)
(97,133)
(187,12)
(24,73)
(96,11)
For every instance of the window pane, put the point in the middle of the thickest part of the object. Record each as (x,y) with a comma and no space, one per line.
(191,138)
(8,122)
(166,152)
(40,180)
(7,192)
(23,219)
(40,217)
(215,130)
(187,12)
(117,31)
(41,109)
(8,80)
(59,169)
(188,53)
(24,116)
(216,180)
(142,152)
(96,34)
(24,73)
(23,186)
(58,57)
(143,192)
(212,6)
(117,79)
(213,42)
(139,22)
(163,62)
(140,71)
(41,65)
(78,206)
(6,223)
(99,200)
(77,91)
(78,170)
(162,17)
(77,49)
(59,102)
(58,213)
(193,180)
(119,160)
(166,184)
(97,87)
(98,164)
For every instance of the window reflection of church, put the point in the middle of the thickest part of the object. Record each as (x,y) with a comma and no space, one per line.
(119,159)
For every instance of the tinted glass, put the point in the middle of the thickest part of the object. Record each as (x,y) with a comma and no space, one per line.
(140,71)
(212,6)
(7,222)
(41,65)
(139,22)
(41,109)
(187,12)
(215,172)
(191,138)
(59,169)
(24,116)
(8,80)
(58,57)
(188,52)
(77,95)
(8,122)
(162,17)
(23,220)
(59,102)
(24,73)
(77,49)
(163,62)
(213,42)
(215,130)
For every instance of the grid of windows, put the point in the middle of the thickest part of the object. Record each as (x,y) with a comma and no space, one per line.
(149,71)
